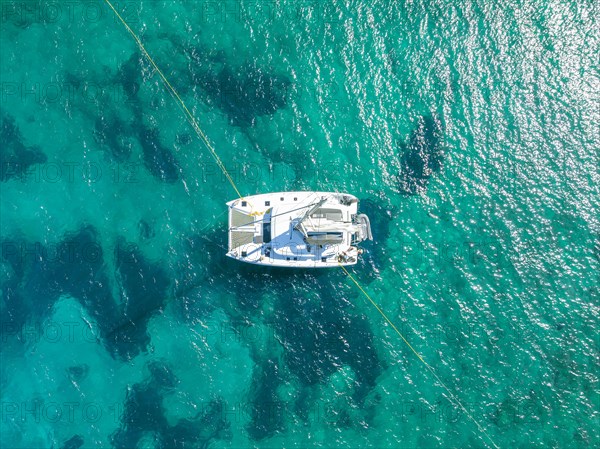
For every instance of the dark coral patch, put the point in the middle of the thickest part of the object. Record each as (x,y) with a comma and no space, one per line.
(162,374)
(39,275)
(244,93)
(15,156)
(267,411)
(421,157)
(131,74)
(112,134)
(75,442)
(146,230)
(325,335)
(144,287)
(78,372)
(144,414)
(158,159)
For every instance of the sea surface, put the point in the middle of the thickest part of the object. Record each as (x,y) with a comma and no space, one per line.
(468,129)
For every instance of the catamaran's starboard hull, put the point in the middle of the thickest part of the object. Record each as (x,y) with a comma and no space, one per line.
(296,229)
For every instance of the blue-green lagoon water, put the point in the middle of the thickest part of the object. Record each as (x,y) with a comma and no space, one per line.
(470,132)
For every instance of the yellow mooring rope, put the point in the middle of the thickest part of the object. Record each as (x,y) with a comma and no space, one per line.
(190,118)
(453,397)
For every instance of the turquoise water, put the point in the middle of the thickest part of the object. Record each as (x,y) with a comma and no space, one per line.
(469,130)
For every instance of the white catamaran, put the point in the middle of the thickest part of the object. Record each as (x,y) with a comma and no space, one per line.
(297,229)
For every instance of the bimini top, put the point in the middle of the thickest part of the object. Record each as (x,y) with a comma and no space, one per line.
(297,229)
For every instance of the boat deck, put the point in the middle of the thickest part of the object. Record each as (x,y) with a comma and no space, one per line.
(250,241)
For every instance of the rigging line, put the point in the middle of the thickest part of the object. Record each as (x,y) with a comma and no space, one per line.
(453,397)
(189,117)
